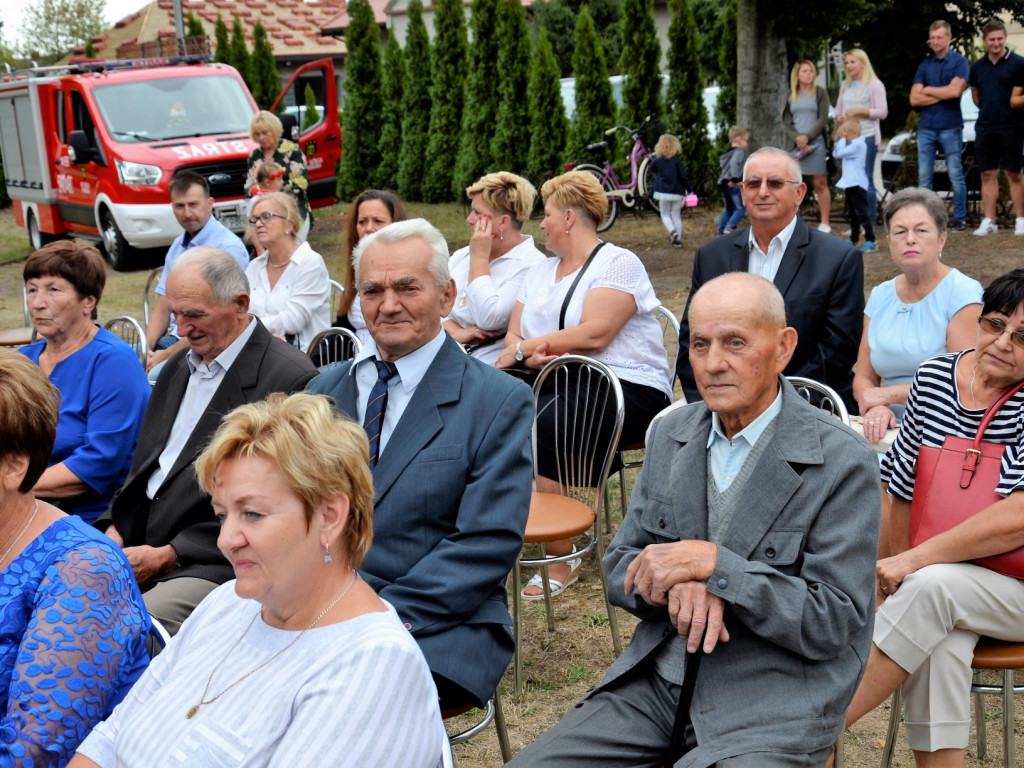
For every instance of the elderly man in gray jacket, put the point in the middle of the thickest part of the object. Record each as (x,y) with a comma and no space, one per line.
(755,518)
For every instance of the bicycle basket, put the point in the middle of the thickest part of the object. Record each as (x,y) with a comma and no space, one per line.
(651,132)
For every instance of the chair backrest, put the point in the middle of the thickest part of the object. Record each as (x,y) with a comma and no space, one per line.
(159,635)
(150,290)
(24,305)
(131,332)
(589,410)
(333,346)
(670,333)
(829,401)
(337,294)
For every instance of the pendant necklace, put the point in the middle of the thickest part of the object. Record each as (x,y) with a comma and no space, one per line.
(194,709)
(17,538)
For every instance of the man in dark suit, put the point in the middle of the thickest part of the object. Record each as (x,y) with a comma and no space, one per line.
(820,277)
(451,462)
(160,516)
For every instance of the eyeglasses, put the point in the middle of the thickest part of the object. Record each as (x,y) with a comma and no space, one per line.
(773,183)
(996,327)
(265,217)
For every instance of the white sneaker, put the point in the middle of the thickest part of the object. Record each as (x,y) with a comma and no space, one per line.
(1018,227)
(986,228)
(847,232)
(824,228)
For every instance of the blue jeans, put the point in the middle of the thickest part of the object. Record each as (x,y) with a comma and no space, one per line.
(951,142)
(734,210)
(869,168)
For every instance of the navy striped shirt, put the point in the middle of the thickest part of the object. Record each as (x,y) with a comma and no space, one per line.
(934,411)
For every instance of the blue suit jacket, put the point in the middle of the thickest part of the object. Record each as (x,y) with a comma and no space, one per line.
(821,279)
(451,498)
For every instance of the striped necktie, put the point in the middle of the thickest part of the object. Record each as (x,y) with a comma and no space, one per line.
(375,406)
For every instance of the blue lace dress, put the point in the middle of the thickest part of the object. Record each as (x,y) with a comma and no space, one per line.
(72,642)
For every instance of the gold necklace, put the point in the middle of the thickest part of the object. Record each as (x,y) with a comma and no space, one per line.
(194,709)
(21,533)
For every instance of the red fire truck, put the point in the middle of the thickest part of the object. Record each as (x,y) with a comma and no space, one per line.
(89,148)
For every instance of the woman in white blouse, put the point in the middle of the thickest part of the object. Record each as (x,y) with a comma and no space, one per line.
(296,661)
(489,271)
(289,288)
(608,316)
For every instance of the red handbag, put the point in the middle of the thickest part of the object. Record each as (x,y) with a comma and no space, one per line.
(958,480)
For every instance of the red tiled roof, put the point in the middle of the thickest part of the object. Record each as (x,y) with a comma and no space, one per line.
(293,26)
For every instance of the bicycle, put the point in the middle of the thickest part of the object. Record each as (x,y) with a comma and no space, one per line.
(641,175)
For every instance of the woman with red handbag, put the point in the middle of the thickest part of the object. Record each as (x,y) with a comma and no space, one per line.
(956,477)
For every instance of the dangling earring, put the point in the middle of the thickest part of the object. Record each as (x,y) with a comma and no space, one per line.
(940,255)
(327,555)
(501,235)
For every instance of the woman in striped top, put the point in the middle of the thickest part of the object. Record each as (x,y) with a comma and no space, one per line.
(934,602)
(297,661)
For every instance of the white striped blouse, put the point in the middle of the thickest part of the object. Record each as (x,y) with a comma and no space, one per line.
(357,693)
(934,411)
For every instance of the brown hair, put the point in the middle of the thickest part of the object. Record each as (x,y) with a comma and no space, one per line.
(394,205)
(183,181)
(29,406)
(80,265)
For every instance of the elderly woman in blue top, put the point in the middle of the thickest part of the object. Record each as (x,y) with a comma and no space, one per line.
(72,622)
(103,387)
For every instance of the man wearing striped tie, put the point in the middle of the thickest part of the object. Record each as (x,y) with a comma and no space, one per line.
(450,454)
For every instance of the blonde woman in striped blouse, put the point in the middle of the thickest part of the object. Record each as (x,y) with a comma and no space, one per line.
(296,661)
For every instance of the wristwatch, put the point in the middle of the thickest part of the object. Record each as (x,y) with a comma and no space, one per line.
(519,351)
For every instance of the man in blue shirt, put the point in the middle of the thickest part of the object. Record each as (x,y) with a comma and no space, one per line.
(938,85)
(193,208)
(999,132)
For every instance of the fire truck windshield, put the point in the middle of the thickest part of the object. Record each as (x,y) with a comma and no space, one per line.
(176,107)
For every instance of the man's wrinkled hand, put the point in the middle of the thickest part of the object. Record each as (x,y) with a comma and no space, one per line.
(659,567)
(692,609)
(149,563)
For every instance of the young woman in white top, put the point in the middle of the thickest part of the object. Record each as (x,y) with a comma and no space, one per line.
(372,209)
(609,317)
(489,271)
(296,661)
(289,288)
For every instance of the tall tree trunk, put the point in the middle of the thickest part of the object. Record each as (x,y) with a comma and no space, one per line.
(763,80)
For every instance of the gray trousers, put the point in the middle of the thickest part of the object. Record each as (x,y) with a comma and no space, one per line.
(628,724)
(171,601)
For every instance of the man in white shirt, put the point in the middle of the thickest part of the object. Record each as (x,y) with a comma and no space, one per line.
(820,277)
(160,516)
(450,454)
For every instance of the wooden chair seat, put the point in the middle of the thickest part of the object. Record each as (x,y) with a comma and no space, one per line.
(996,654)
(554,517)
(17,337)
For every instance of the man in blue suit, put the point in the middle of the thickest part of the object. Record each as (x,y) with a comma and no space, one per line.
(450,455)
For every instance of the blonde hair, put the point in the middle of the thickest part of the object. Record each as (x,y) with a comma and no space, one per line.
(794,84)
(667,146)
(268,171)
(738,133)
(266,121)
(868,74)
(505,192)
(320,454)
(577,189)
(285,205)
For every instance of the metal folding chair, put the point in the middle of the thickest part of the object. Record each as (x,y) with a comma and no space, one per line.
(128,330)
(150,290)
(333,346)
(584,455)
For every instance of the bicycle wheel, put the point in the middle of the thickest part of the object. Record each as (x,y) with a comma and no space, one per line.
(646,174)
(609,187)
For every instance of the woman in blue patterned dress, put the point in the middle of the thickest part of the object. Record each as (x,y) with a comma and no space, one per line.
(72,622)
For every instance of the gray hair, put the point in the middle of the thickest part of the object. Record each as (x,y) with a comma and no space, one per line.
(927,199)
(218,268)
(792,162)
(405,230)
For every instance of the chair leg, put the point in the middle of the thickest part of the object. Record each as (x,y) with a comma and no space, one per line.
(613,621)
(896,704)
(517,628)
(623,501)
(979,718)
(840,761)
(548,608)
(499,725)
(1009,740)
